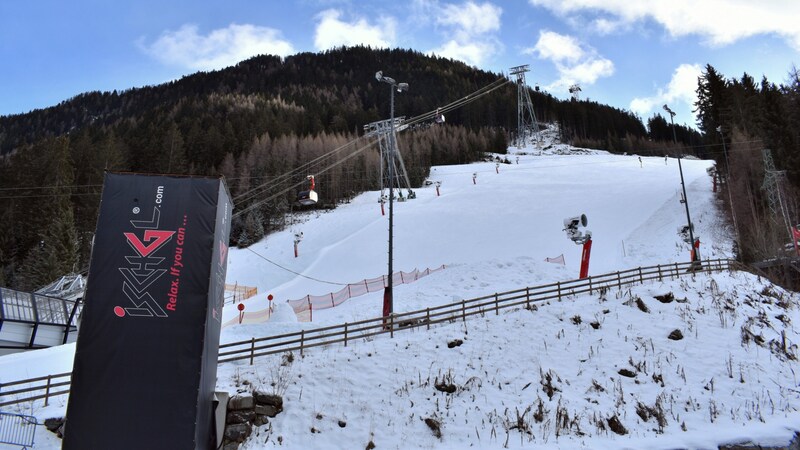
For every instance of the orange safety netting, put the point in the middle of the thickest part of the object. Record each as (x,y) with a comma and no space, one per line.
(260,316)
(235,293)
(305,306)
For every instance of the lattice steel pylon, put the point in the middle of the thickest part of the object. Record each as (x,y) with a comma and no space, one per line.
(383,131)
(774,182)
(526,118)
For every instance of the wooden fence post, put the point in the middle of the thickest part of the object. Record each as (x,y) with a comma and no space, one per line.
(464,310)
(428,316)
(619,281)
(391,326)
(676,270)
(345,334)
(559,290)
(302,338)
(47,390)
(496,305)
(528,297)
(641,278)
(252,349)
(659,273)
(590,285)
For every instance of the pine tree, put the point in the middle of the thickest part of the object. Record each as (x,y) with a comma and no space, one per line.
(711,103)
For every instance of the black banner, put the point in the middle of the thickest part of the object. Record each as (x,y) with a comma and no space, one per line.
(146,357)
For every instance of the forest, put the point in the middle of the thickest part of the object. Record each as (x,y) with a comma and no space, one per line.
(254,122)
(750,130)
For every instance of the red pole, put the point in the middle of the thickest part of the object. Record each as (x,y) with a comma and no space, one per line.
(295,249)
(387,302)
(587,251)
(437,191)
(696,250)
(383,212)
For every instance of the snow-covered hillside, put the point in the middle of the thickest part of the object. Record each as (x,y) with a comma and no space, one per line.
(563,375)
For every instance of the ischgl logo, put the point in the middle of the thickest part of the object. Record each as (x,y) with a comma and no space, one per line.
(143,267)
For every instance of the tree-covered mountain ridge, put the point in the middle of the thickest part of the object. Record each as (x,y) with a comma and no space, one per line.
(331,91)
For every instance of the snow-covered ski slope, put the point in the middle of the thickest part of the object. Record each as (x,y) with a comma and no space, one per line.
(540,379)
(511,217)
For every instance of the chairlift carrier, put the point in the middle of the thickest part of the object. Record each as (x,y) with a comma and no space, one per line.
(310,196)
(439,116)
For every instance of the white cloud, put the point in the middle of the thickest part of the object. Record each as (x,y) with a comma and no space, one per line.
(575,62)
(721,22)
(558,47)
(680,92)
(604,26)
(333,32)
(471,18)
(220,48)
(588,71)
(473,53)
(470,29)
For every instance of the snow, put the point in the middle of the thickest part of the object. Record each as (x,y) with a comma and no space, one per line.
(716,385)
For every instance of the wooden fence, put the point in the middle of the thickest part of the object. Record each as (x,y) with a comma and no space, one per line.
(48,386)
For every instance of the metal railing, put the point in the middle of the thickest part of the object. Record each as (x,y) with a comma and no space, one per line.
(17,429)
(39,309)
(51,385)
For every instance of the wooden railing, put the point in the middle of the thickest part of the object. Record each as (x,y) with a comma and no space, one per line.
(46,387)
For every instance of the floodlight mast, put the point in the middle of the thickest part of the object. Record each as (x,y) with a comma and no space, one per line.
(695,251)
(388,300)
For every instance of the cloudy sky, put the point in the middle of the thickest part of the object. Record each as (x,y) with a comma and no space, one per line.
(635,55)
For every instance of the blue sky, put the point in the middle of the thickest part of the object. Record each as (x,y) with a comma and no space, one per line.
(635,55)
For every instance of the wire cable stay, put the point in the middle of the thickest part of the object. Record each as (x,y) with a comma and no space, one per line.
(292,271)
(272,184)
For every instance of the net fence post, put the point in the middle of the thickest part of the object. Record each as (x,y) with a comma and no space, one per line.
(302,339)
(252,349)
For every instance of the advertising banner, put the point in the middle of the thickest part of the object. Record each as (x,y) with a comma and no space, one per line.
(146,356)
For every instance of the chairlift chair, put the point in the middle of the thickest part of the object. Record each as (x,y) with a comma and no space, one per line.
(439,117)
